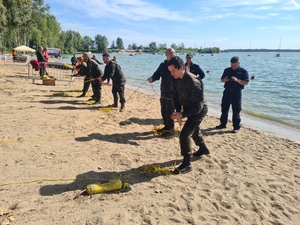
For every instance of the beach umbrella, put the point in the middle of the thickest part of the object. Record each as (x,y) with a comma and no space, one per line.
(24,48)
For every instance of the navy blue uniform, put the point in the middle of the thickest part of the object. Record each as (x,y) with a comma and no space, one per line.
(232,95)
(196,70)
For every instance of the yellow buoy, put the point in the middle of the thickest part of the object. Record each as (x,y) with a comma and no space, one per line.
(112,185)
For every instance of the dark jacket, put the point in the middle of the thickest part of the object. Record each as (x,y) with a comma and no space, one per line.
(40,56)
(90,69)
(189,93)
(83,69)
(94,69)
(196,69)
(73,60)
(239,73)
(166,79)
(113,71)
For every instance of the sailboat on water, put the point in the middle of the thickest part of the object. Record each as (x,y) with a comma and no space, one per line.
(278,54)
(249,48)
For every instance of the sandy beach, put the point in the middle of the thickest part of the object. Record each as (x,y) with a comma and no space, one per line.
(53,144)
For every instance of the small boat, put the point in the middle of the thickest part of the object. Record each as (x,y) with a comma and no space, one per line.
(278,54)
(131,54)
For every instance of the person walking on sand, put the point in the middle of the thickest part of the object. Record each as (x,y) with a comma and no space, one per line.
(235,78)
(188,99)
(165,90)
(114,72)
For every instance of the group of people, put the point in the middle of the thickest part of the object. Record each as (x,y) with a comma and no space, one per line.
(89,68)
(182,96)
(43,59)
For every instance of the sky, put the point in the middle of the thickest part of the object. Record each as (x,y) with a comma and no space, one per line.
(227,24)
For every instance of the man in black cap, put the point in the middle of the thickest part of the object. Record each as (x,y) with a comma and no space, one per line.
(235,78)
(193,67)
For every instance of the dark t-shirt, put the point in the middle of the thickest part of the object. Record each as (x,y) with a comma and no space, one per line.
(239,73)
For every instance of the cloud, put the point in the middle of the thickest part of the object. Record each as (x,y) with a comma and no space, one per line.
(295,4)
(135,10)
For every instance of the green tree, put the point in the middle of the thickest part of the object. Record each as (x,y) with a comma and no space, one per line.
(87,43)
(173,45)
(134,46)
(3,22)
(162,46)
(113,46)
(119,43)
(152,46)
(101,42)
(129,47)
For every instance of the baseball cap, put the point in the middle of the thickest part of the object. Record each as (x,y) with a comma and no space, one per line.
(189,55)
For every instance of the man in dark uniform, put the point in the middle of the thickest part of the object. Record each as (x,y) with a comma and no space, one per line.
(235,78)
(97,61)
(165,90)
(193,67)
(113,71)
(73,62)
(94,72)
(188,100)
(41,58)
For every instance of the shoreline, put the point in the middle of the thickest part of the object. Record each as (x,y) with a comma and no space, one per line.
(247,121)
(270,127)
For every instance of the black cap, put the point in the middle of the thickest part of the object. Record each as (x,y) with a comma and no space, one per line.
(189,55)
(234,59)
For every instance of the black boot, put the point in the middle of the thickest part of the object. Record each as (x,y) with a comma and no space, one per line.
(185,166)
(115,105)
(122,107)
(203,150)
(82,95)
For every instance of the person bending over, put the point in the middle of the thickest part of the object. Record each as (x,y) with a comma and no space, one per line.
(189,102)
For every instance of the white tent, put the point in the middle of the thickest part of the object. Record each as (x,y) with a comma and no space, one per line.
(24,48)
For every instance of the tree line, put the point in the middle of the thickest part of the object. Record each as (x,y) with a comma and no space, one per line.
(29,22)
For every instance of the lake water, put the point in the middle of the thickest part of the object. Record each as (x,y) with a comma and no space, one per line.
(273,97)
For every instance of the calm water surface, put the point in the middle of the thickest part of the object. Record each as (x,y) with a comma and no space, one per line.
(273,95)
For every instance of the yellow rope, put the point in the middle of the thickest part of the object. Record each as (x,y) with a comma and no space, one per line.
(147,169)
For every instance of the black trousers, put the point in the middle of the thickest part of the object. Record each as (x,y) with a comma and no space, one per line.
(118,89)
(167,109)
(96,89)
(191,130)
(43,69)
(233,98)
(86,84)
